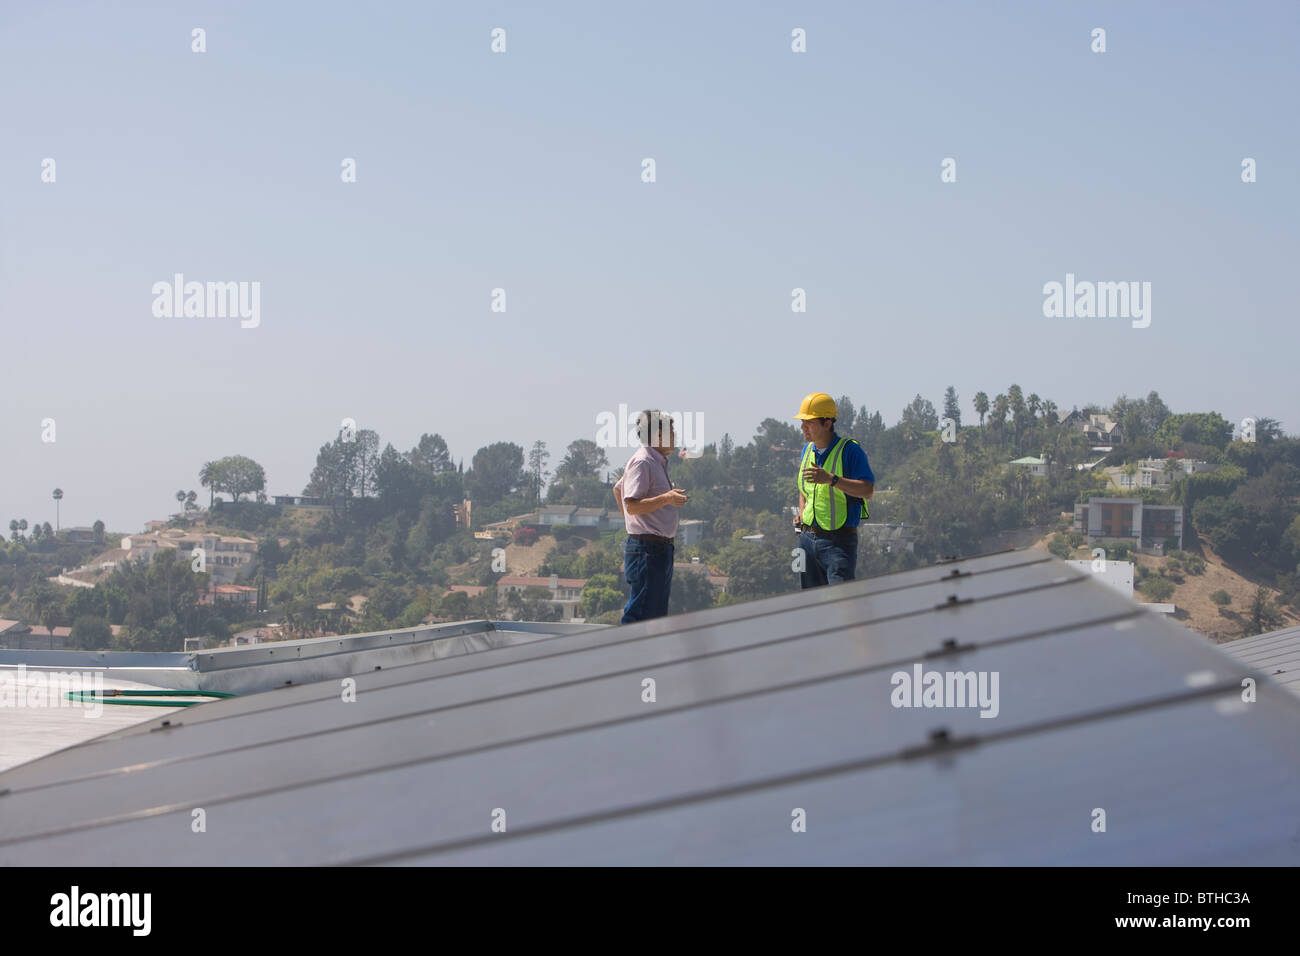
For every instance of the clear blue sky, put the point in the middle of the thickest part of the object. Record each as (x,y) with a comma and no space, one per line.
(775,170)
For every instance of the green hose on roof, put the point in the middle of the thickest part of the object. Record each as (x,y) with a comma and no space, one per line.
(88,696)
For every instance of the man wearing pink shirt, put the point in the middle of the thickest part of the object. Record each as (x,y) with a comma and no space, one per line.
(649,502)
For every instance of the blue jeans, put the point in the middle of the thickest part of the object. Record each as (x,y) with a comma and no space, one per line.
(828,560)
(649,571)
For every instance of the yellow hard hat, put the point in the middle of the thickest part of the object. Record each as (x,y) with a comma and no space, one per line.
(817,405)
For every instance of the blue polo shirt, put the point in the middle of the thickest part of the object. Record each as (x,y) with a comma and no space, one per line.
(854,465)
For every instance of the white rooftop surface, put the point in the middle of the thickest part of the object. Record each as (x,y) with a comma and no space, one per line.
(36,718)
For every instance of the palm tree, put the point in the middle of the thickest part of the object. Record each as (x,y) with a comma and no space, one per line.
(58,496)
(208,477)
(189,499)
(981,406)
(180,499)
(13,530)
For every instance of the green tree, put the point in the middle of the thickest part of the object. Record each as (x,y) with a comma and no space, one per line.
(430,454)
(1262,614)
(691,591)
(235,475)
(1201,428)
(583,459)
(496,471)
(91,633)
(951,407)
(537,458)
(208,479)
(600,594)
(919,417)
(981,406)
(1157,588)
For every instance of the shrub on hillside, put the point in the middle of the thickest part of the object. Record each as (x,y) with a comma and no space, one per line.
(1157,588)
(1221,597)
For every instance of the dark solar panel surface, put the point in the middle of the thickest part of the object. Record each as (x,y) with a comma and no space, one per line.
(761,710)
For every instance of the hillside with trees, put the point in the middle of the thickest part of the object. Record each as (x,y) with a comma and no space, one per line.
(385,547)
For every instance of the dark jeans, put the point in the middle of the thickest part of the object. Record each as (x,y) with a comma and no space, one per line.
(828,560)
(649,572)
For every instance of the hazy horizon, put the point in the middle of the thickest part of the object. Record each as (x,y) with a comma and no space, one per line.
(522,170)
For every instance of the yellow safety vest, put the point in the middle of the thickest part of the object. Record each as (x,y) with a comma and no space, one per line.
(828,506)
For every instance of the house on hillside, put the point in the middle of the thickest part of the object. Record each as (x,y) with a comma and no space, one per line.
(556,514)
(1101,431)
(689,532)
(1147,527)
(890,537)
(564,592)
(1036,467)
(224,556)
(1156,472)
(710,573)
(286,502)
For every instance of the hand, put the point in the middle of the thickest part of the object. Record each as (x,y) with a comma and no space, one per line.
(817,475)
(677,498)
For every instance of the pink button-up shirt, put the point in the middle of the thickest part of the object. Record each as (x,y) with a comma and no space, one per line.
(646,476)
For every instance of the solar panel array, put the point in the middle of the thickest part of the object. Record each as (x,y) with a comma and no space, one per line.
(1276,654)
(779,731)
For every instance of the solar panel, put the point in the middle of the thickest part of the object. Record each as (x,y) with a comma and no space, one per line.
(976,712)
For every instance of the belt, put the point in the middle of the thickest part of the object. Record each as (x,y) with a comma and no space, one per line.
(816,532)
(652,537)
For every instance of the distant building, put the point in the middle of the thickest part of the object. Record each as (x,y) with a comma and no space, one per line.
(462,513)
(1155,473)
(469,590)
(1099,430)
(598,518)
(556,514)
(301,501)
(890,537)
(507,527)
(229,594)
(601,519)
(1038,467)
(565,592)
(690,532)
(224,556)
(562,589)
(15,635)
(1144,525)
(711,574)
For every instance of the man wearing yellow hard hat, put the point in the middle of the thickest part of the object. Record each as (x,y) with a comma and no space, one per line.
(835,481)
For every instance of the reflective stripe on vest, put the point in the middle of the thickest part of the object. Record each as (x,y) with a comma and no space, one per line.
(829,510)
